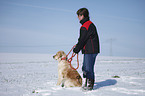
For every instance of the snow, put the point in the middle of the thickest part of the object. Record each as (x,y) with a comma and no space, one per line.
(36,75)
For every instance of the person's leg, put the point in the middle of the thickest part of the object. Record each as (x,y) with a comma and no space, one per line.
(84,72)
(88,69)
(84,66)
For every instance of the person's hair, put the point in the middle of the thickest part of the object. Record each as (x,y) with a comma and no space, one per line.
(83,11)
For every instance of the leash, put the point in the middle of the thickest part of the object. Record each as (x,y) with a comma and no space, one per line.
(70,59)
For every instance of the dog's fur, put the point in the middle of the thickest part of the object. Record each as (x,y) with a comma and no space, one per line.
(67,76)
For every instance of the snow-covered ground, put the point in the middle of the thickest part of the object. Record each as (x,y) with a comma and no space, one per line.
(36,75)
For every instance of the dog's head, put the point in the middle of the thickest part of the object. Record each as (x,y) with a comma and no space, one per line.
(59,55)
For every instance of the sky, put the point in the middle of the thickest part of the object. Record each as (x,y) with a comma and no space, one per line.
(47,26)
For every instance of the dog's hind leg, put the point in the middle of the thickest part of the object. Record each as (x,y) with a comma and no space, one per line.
(68,83)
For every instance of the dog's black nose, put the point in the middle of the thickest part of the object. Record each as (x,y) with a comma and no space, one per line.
(53,56)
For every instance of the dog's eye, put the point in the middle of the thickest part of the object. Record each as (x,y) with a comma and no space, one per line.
(60,56)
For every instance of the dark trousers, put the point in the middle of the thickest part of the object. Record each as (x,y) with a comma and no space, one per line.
(88,66)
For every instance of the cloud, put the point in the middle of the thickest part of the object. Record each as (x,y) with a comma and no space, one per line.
(33,6)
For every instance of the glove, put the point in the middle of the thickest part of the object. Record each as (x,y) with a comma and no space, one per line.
(75,51)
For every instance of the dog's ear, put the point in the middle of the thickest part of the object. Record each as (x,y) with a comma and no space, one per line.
(63,53)
(60,55)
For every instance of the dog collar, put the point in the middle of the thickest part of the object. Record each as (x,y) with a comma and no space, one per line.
(64,58)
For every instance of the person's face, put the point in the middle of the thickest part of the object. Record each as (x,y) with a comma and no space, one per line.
(80,17)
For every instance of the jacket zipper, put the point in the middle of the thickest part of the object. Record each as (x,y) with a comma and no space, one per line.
(92,44)
(84,48)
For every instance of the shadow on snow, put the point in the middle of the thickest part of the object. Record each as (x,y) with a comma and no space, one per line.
(105,83)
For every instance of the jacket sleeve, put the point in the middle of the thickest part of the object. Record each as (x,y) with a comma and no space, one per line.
(82,40)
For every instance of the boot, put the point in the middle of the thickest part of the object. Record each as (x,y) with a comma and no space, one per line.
(90,84)
(84,85)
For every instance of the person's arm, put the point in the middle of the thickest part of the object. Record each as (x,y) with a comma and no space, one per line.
(82,40)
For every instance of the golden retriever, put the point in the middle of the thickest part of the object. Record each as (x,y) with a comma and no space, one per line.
(66,75)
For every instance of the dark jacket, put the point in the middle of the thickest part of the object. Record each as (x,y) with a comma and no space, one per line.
(88,41)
